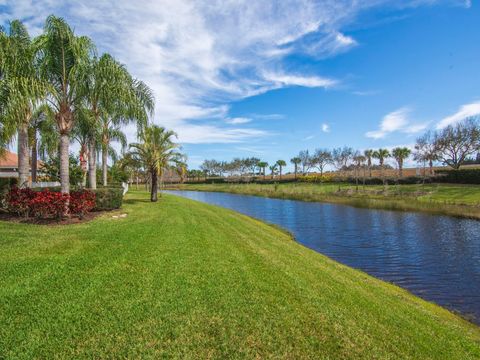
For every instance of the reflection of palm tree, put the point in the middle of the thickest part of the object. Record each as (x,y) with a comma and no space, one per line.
(281,164)
(296,161)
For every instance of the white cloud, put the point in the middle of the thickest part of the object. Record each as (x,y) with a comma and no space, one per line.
(463,112)
(310,137)
(198,56)
(325,128)
(396,121)
(238,120)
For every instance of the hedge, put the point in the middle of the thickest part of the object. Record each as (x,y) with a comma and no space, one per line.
(108,198)
(5,185)
(461,176)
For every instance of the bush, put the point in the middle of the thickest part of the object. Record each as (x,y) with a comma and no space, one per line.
(6,184)
(108,198)
(461,176)
(18,201)
(48,204)
(81,202)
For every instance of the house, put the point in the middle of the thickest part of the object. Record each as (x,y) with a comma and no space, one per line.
(9,165)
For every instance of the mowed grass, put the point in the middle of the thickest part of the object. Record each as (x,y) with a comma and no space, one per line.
(181,279)
(449,199)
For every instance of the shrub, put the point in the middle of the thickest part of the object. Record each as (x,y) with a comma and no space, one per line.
(461,176)
(108,198)
(18,201)
(48,204)
(5,185)
(313,178)
(81,202)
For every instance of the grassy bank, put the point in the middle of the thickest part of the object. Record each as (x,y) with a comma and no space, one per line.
(454,200)
(182,279)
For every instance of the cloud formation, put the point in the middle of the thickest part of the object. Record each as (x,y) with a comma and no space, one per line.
(198,56)
(397,120)
(463,112)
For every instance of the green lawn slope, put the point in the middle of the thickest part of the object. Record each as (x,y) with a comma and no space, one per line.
(181,279)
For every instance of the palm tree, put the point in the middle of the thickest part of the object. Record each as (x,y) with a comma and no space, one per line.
(381,155)
(273,169)
(296,161)
(368,156)
(156,152)
(281,164)
(358,160)
(21,91)
(63,60)
(400,154)
(262,165)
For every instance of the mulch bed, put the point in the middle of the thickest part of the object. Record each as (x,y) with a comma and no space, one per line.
(4,216)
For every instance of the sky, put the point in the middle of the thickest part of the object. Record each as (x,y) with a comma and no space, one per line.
(270,78)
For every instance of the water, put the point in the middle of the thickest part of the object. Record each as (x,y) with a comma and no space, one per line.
(434,257)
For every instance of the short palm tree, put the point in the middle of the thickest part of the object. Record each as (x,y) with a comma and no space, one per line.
(381,155)
(296,161)
(62,61)
(273,170)
(262,165)
(368,156)
(157,152)
(281,164)
(21,91)
(400,154)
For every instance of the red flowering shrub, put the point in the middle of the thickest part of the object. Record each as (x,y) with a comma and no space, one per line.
(48,204)
(81,202)
(18,201)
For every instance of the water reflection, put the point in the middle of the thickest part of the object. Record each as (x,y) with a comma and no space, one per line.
(435,257)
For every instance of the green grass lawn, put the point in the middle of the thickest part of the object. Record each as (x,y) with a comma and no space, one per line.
(457,200)
(181,279)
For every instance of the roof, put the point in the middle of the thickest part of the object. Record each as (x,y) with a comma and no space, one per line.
(9,160)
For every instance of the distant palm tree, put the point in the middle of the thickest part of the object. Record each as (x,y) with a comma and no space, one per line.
(400,154)
(281,164)
(296,161)
(368,156)
(381,155)
(273,169)
(157,152)
(21,92)
(263,165)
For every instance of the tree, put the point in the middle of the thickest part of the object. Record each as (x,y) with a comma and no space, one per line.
(359,161)
(281,164)
(305,160)
(381,155)
(63,59)
(262,165)
(296,161)
(426,151)
(21,91)
(400,154)
(368,156)
(455,143)
(321,158)
(273,169)
(341,157)
(157,152)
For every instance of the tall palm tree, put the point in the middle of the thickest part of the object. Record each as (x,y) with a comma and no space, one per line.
(273,169)
(381,155)
(114,98)
(63,60)
(262,165)
(157,152)
(21,91)
(400,154)
(368,156)
(296,161)
(281,164)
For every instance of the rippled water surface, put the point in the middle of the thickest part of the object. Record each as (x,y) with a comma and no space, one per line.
(435,257)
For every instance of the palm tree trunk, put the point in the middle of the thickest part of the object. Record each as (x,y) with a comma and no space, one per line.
(64,163)
(104,165)
(92,165)
(34,159)
(23,156)
(154,189)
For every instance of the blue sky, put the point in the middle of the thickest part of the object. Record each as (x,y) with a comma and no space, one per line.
(269,78)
